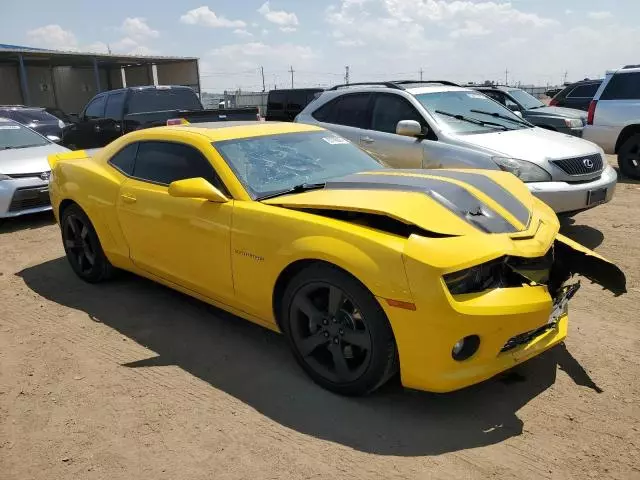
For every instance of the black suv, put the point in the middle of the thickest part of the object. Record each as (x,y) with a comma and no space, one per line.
(577,95)
(285,105)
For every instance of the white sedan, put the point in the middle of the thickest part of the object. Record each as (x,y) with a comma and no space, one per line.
(24,170)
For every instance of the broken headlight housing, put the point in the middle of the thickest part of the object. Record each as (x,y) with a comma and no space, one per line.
(502,272)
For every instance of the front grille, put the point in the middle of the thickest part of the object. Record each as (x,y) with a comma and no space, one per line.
(25,198)
(580,165)
(25,175)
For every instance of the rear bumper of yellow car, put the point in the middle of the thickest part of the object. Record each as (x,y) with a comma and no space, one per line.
(425,337)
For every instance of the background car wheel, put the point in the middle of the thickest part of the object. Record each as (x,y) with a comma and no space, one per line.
(629,157)
(82,246)
(338,332)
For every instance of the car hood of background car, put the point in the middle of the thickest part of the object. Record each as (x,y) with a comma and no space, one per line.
(440,202)
(532,144)
(560,112)
(28,160)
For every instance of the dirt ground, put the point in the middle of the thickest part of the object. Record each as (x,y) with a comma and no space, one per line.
(132,380)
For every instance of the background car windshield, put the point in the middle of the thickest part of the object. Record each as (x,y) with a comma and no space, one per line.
(273,163)
(461,103)
(525,99)
(30,115)
(13,135)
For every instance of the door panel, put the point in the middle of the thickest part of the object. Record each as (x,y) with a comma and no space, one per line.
(183,240)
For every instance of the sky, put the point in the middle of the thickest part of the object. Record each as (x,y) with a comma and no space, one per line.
(539,42)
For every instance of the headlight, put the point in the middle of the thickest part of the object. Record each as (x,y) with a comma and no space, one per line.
(573,122)
(60,123)
(4,177)
(525,171)
(476,279)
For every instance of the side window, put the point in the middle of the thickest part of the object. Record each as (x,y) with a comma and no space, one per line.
(325,112)
(389,109)
(115,104)
(510,104)
(584,91)
(352,110)
(498,97)
(125,159)
(275,101)
(96,108)
(166,162)
(622,86)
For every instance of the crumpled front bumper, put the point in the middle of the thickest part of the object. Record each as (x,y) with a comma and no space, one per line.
(425,337)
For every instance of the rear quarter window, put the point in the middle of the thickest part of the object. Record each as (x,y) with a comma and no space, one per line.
(157,99)
(622,86)
(584,91)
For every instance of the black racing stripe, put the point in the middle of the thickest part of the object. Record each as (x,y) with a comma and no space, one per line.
(451,196)
(487,186)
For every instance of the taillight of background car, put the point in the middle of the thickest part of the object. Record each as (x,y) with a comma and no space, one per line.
(591,113)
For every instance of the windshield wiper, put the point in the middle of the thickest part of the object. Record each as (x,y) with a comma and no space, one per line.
(303,187)
(503,117)
(475,121)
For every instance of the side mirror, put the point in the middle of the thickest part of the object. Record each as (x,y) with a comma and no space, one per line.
(518,113)
(409,128)
(513,108)
(73,117)
(196,188)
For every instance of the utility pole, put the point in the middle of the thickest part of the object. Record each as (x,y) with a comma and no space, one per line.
(346,75)
(421,74)
(262,73)
(506,76)
(291,71)
(565,77)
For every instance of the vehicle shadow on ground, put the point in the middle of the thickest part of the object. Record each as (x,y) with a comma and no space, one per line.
(255,366)
(622,178)
(26,222)
(585,235)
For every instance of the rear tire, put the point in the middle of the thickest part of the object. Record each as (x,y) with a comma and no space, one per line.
(629,157)
(337,331)
(82,246)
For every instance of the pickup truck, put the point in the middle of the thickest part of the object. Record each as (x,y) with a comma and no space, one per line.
(114,113)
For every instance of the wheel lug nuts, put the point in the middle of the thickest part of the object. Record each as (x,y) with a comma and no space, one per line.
(335,340)
(341,332)
(324,322)
(334,320)
(326,334)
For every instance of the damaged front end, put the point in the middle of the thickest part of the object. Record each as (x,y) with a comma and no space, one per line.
(562,261)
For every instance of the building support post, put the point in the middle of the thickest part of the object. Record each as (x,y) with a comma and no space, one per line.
(26,98)
(96,73)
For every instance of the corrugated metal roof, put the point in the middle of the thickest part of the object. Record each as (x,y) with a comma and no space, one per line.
(115,57)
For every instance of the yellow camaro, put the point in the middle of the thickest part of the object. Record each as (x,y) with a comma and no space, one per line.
(449,276)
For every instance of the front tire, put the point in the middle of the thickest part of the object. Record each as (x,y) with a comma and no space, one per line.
(629,157)
(82,246)
(337,331)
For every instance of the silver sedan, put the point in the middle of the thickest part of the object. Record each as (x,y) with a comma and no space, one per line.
(24,170)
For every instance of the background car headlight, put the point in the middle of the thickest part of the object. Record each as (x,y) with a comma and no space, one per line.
(525,171)
(60,123)
(573,122)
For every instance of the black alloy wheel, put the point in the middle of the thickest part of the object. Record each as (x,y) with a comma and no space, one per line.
(338,332)
(629,157)
(82,246)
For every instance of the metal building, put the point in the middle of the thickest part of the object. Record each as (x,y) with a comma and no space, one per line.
(67,80)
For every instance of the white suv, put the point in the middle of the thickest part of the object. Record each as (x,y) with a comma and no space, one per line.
(613,120)
(434,124)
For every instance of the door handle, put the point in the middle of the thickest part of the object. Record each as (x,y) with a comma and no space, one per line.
(96,128)
(128,198)
(367,140)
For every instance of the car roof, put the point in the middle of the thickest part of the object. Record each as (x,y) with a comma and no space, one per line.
(436,89)
(218,131)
